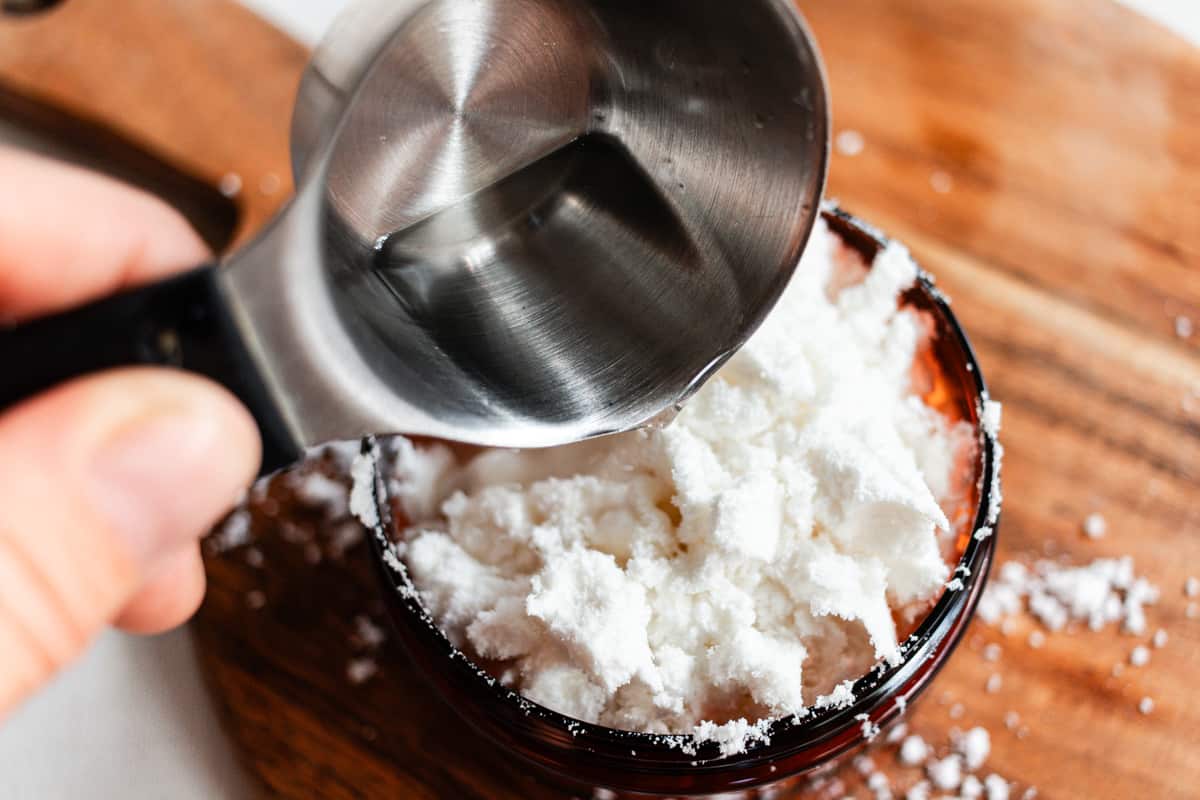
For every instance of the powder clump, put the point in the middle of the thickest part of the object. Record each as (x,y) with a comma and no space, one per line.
(738,563)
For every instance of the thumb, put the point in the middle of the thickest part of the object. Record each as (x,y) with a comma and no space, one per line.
(103,481)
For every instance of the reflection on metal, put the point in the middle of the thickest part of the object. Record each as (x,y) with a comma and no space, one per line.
(527,222)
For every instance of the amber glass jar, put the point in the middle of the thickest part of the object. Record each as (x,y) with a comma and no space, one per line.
(583,757)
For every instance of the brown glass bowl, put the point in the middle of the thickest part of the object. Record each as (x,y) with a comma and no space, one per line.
(579,755)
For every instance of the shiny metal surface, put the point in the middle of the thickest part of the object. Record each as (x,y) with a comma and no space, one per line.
(528,222)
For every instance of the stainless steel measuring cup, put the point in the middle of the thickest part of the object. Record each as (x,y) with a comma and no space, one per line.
(518,223)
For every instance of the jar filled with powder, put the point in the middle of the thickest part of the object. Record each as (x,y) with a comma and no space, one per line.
(738,598)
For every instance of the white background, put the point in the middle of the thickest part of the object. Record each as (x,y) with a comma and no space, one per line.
(132,720)
(307,19)
(1181,15)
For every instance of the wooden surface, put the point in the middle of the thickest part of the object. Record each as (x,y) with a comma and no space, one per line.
(202,85)
(1068,137)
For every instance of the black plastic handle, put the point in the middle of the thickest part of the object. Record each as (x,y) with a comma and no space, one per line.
(182,321)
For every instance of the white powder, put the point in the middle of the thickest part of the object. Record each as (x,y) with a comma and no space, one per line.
(974,746)
(233,533)
(230,184)
(343,536)
(254,557)
(362,493)
(990,418)
(969,752)
(1140,656)
(945,773)
(849,142)
(869,729)
(1095,526)
(919,791)
(736,563)
(842,696)
(315,489)
(361,670)
(1183,327)
(367,634)
(913,751)
(340,454)
(997,787)
(880,787)
(733,736)
(1103,592)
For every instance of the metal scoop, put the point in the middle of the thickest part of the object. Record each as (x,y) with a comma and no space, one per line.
(518,223)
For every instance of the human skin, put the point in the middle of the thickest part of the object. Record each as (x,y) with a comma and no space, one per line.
(107,482)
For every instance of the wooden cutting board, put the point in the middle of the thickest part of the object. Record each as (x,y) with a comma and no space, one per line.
(1041,157)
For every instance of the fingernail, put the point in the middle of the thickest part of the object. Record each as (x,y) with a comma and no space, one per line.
(162,481)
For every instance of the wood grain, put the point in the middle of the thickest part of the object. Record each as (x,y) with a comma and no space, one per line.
(1066,144)
(1070,242)
(203,85)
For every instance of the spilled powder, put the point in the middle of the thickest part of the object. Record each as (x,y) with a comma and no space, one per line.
(946,773)
(849,143)
(232,534)
(736,566)
(1098,594)
(913,751)
(361,670)
(1095,526)
(974,746)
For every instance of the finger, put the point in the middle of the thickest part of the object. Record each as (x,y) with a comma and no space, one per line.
(100,479)
(68,236)
(169,597)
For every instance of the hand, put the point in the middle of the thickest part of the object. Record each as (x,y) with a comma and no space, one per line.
(106,482)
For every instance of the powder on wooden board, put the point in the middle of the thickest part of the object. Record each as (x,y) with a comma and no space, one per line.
(1100,593)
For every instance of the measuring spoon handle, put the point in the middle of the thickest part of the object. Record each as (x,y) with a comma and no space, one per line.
(180,322)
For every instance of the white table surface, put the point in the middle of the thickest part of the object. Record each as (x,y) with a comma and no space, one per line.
(132,720)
